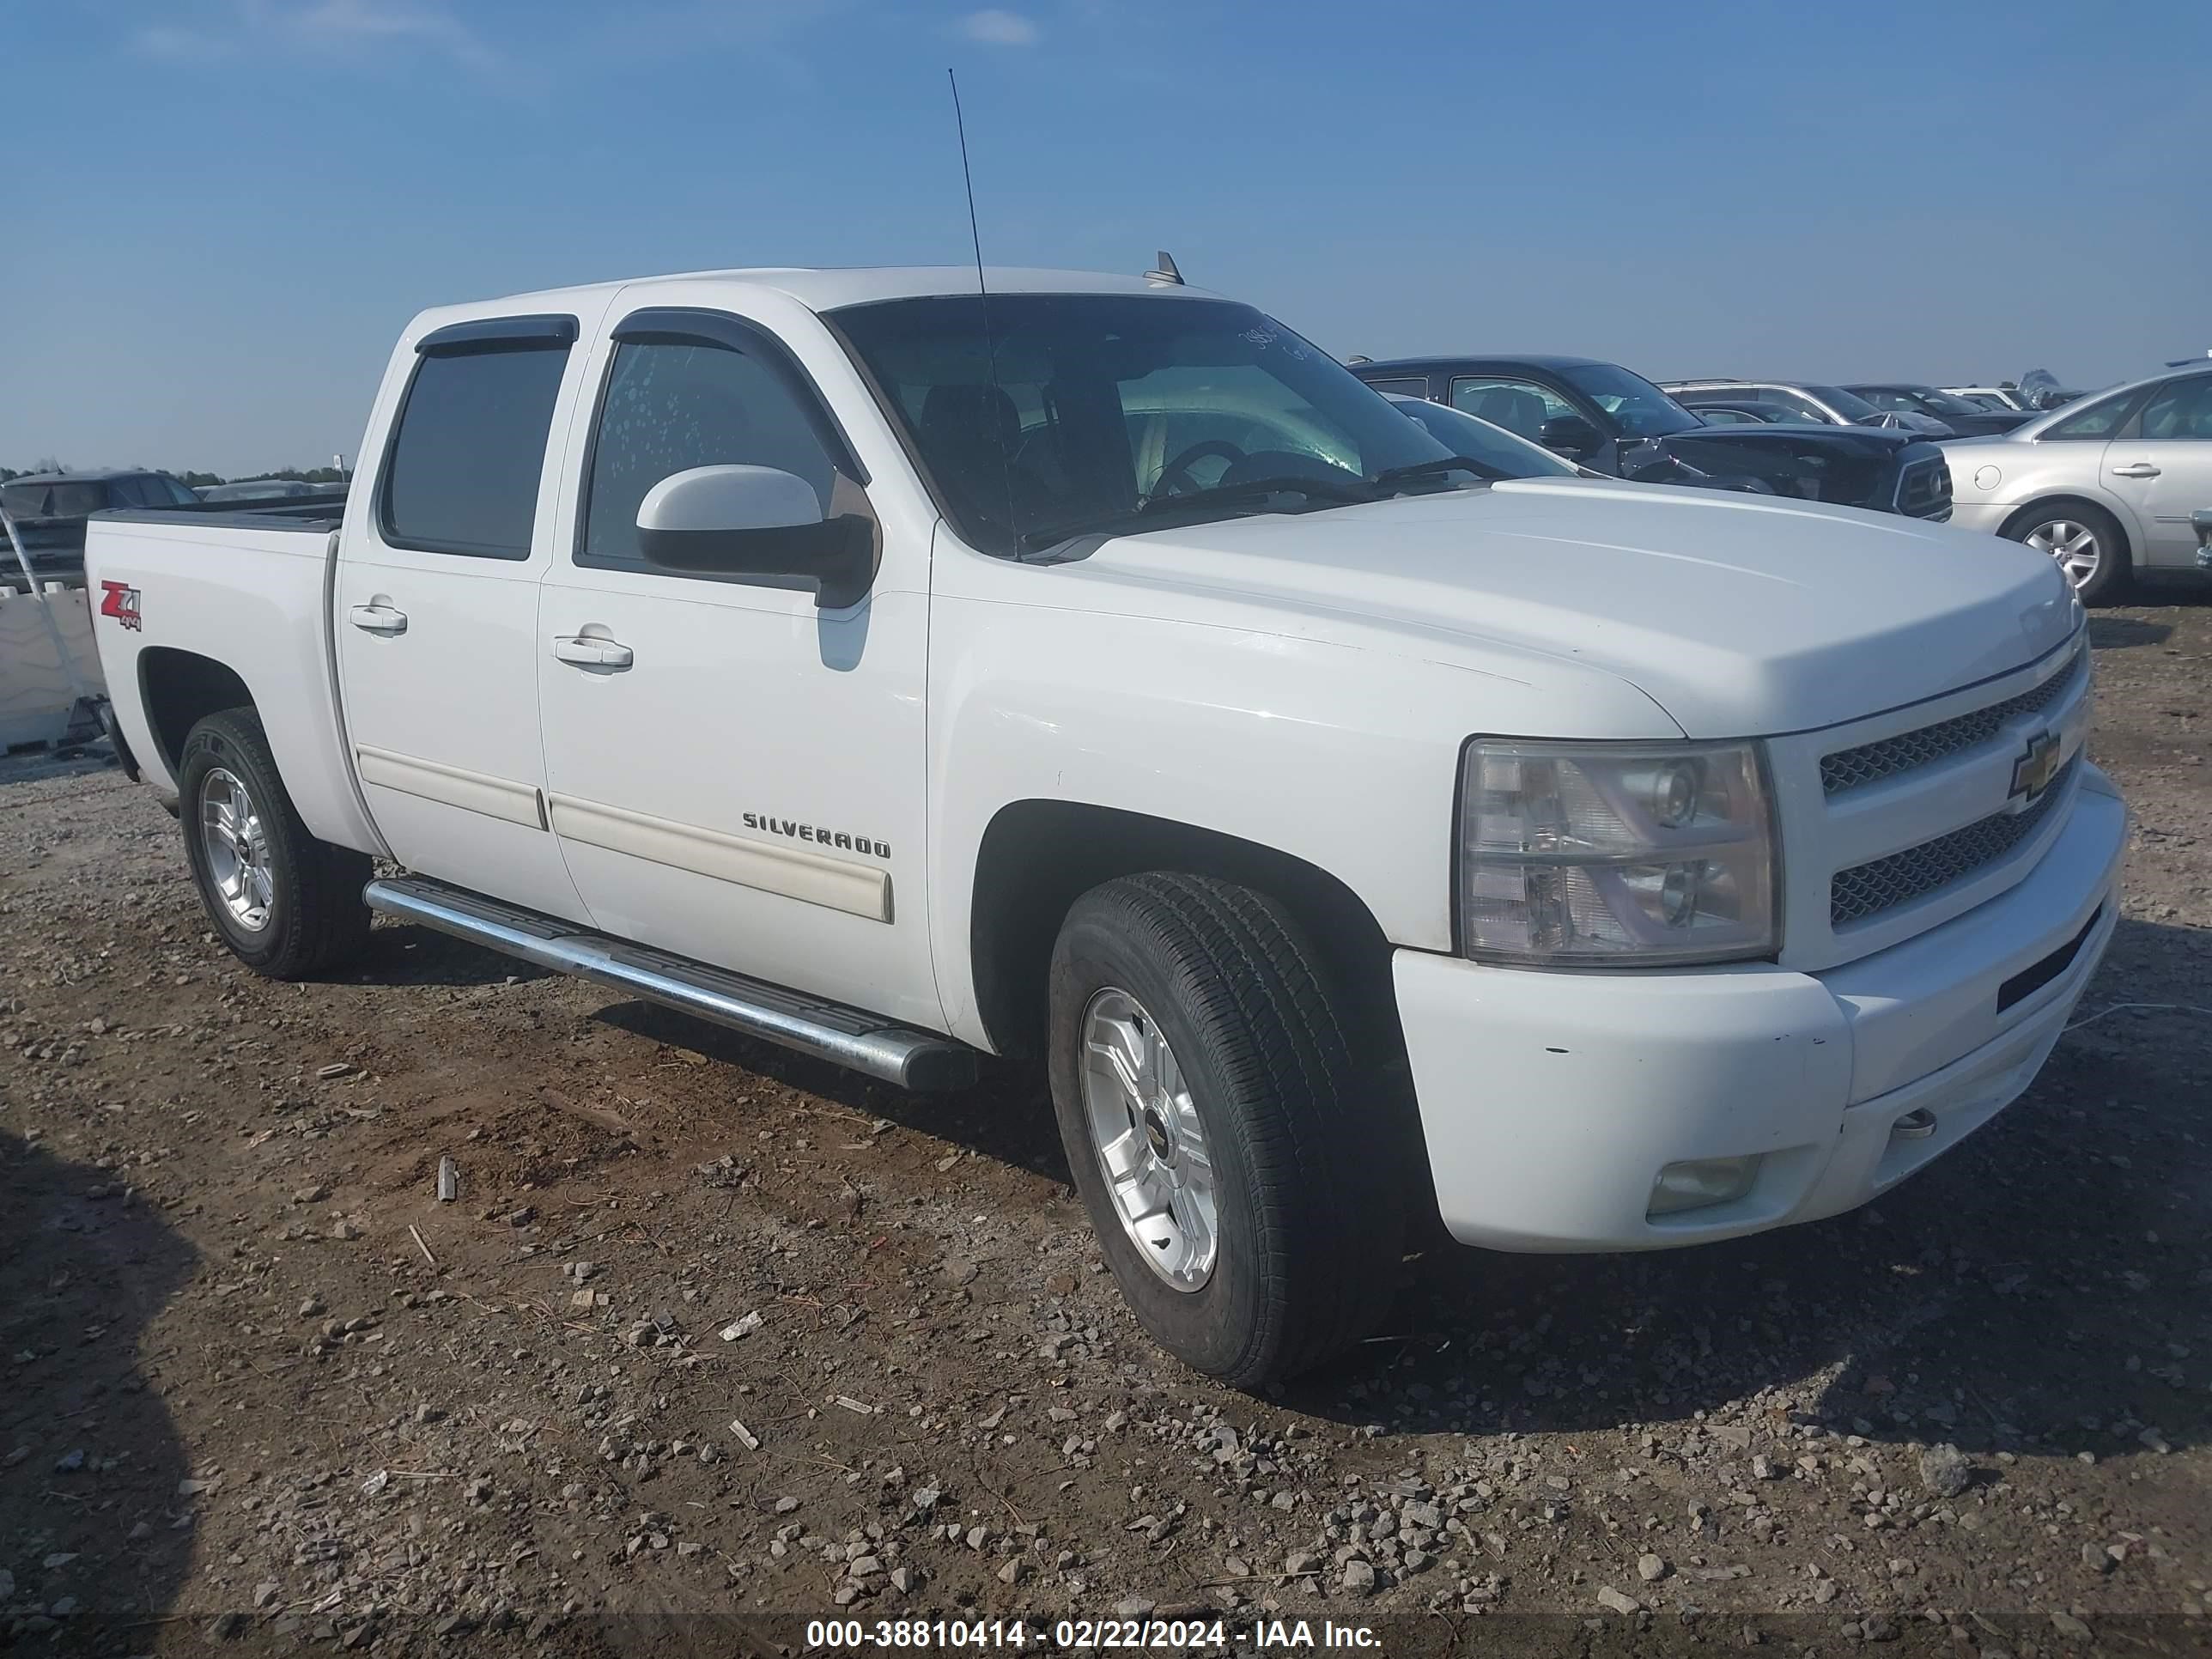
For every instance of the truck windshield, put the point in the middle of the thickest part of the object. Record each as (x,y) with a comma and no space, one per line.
(1094,413)
(1641,408)
(1848,404)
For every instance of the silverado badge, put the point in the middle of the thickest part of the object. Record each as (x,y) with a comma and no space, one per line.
(2032,772)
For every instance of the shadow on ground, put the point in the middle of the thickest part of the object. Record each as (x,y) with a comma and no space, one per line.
(2026,1292)
(96,1538)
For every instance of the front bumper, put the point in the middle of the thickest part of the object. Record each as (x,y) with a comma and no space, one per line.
(1552,1101)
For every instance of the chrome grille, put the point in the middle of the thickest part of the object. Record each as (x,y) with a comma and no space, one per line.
(1924,490)
(1870,762)
(1868,890)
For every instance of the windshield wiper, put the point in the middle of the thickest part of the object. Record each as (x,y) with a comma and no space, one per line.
(1483,470)
(1324,489)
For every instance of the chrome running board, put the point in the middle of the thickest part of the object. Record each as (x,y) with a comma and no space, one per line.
(828,1030)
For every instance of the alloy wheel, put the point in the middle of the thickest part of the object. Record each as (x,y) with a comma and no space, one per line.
(1150,1144)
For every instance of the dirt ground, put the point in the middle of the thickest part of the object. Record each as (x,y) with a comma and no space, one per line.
(716,1341)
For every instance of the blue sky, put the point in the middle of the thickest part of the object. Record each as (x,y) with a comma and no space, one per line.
(223,210)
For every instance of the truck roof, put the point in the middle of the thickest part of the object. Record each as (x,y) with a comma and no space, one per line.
(827,289)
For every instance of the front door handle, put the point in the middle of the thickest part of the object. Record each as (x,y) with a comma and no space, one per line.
(2135,470)
(586,652)
(378,619)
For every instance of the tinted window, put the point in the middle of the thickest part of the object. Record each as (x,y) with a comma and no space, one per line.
(65,500)
(1417,387)
(1521,407)
(2180,409)
(1641,408)
(461,476)
(1851,406)
(669,407)
(2095,420)
(1499,450)
(1798,406)
(1095,413)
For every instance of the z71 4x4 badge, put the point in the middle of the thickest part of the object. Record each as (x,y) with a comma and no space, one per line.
(120,601)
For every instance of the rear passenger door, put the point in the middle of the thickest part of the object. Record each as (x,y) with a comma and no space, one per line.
(436,608)
(735,773)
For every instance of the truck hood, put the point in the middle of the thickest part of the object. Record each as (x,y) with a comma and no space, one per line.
(1740,616)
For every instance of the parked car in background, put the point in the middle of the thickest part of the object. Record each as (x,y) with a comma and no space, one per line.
(50,510)
(2106,486)
(1114,680)
(1614,420)
(2001,397)
(271,489)
(1965,420)
(1744,415)
(1499,451)
(1804,400)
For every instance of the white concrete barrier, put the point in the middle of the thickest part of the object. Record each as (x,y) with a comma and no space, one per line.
(35,694)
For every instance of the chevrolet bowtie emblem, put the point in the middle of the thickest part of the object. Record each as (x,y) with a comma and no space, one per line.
(2032,772)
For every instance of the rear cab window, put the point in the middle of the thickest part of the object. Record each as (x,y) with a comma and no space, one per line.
(467,451)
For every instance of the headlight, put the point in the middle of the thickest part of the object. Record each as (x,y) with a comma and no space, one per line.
(1594,854)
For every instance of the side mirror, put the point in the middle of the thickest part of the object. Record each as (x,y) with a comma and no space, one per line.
(1569,435)
(757,521)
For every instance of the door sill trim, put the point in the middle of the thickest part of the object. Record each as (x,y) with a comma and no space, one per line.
(865,1043)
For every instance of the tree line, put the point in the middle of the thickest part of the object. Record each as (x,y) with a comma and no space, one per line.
(319,474)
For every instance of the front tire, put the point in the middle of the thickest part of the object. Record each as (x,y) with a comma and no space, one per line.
(288,905)
(1239,1170)
(2087,543)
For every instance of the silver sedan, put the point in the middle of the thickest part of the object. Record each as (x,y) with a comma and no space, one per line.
(2106,486)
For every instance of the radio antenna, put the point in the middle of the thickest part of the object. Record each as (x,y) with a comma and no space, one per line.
(983,296)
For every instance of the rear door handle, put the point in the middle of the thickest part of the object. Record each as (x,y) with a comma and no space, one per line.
(2135,470)
(588,652)
(378,619)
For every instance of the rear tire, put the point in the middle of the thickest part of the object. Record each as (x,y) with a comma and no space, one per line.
(2087,542)
(287,904)
(1305,1160)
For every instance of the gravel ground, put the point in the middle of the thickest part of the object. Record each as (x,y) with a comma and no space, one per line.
(715,1340)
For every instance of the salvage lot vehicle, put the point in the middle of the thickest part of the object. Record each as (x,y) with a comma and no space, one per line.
(1964,419)
(50,510)
(2106,486)
(1506,455)
(1614,420)
(863,665)
(1998,398)
(1804,400)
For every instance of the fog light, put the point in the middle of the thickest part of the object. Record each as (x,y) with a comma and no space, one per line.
(1701,1183)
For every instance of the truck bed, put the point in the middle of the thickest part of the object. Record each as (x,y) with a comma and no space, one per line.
(176,592)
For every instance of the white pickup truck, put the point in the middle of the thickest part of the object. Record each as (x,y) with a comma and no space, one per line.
(1089,669)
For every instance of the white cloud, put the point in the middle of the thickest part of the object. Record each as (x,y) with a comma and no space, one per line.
(993,27)
(181,45)
(315,26)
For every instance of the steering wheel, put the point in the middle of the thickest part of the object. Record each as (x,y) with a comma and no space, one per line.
(1176,473)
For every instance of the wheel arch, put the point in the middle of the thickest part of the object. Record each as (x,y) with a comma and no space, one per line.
(178,690)
(1036,857)
(2021,516)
